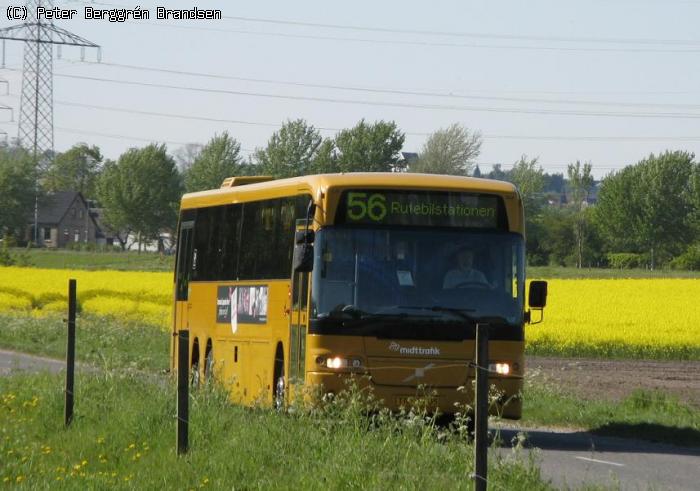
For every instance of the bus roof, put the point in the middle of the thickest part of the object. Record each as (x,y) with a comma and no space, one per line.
(313,184)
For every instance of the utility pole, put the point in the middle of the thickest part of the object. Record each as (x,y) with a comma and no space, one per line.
(36,110)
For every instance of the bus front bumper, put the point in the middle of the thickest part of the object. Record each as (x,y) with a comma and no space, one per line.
(505,393)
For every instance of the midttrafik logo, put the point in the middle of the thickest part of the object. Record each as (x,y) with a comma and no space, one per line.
(414,350)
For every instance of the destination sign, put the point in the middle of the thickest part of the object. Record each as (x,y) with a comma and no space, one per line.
(421,208)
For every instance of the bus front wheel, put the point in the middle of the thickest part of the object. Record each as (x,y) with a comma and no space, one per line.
(278,381)
(194,366)
(209,363)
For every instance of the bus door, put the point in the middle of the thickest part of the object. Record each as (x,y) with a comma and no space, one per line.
(183,272)
(299,321)
(298,328)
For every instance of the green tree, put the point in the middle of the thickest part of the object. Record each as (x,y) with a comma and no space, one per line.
(186,155)
(326,158)
(556,236)
(617,212)
(140,193)
(554,183)
(451,150)
(370,148)
(581,184)
(219,159)
(76,169)
(694,217)
(529,179)
(17,190)
(558,241)
(291,151)
(644,207)
(528,176)
(498,173)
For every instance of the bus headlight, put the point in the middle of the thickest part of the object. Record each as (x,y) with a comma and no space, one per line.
(339,362)
(336,362)
(499,368)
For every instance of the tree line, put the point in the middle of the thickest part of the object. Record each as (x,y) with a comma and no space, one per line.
(645,215)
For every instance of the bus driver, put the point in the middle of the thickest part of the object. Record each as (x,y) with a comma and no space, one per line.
(464,274)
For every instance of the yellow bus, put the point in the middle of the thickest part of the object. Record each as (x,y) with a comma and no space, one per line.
(303,281)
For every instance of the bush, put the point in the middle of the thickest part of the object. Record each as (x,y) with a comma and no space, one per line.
(6,258)
(536,259)
(689,260)
(24,258)
(626,260)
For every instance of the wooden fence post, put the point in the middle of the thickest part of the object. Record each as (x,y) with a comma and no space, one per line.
(70,354)
(183,385)
(482,408)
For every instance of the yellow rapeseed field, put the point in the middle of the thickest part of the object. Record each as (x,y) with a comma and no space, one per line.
(655,318)
(136,296)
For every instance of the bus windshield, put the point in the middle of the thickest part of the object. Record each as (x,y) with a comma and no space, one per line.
(418,272)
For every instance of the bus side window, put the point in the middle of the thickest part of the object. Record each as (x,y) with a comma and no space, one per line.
(230,243)
(206,237)
(184,260)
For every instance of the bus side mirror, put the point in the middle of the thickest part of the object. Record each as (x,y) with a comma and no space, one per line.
(537,296)
(303,258)
(304,236)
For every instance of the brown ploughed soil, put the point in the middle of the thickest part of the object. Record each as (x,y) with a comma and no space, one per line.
(600,379)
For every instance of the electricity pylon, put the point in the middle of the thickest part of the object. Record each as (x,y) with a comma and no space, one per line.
(36,110)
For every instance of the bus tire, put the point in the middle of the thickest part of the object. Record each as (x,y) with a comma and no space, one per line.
(209,363)
(194,366)
(279,389)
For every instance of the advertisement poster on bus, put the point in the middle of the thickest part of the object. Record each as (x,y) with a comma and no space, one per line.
(242,304)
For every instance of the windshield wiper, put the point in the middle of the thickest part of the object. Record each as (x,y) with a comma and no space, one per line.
(357,317)
(463,314)
(349,310)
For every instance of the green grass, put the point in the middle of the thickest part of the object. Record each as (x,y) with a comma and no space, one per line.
(124,261)
(650,415)
(123,436)
(552,272)
(109,344)
(99,341)
(125,431)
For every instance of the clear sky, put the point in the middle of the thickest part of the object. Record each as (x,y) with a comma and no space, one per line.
(605,81)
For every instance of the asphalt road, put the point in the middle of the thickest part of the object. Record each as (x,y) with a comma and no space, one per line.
(569,459)
(12,362)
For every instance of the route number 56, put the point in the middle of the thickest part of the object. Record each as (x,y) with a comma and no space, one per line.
(360,206)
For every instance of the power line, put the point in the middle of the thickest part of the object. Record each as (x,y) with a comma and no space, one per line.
(127,137)
(421,32)
(395,91)
(559,112)
(426,92)
(423,43)
(595,138)
(509,37)
(589,138)
(432,43)
(172,115)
